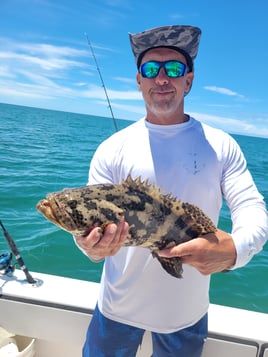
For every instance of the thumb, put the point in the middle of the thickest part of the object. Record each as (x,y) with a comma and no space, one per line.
(180,250)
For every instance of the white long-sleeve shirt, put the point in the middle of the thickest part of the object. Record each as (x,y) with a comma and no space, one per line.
(200,165)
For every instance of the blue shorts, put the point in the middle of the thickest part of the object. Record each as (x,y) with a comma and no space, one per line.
(108,338)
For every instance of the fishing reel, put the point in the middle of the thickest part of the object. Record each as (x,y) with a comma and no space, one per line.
(6,264)
(6,258)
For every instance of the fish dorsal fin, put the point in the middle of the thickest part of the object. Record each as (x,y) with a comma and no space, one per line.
(153,191)
(146,187)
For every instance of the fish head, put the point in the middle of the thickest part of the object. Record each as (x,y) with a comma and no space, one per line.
(79,210)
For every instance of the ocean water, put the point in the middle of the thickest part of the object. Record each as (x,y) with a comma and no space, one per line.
(43,151)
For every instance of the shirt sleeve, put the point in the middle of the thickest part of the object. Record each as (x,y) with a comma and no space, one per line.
(100,166)
(247,207)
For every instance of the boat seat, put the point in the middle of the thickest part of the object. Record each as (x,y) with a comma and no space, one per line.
(221,347)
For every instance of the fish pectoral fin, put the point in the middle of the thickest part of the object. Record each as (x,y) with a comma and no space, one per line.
(173,266)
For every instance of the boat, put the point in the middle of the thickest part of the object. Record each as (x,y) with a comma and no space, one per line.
(49,318)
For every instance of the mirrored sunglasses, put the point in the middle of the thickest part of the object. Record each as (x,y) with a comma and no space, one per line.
(173,69)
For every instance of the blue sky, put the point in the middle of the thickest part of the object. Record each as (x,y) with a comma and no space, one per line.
(45,60)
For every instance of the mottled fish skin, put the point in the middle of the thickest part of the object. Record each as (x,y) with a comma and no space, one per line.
(156,221)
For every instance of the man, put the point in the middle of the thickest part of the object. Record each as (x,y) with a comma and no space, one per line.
(194,162)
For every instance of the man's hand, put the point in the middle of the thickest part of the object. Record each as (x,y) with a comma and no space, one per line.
(214,252)
(98,246)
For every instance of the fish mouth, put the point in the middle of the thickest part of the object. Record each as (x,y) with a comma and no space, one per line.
(45,208)
(65,222)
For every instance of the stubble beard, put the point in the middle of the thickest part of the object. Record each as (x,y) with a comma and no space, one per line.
(163,107)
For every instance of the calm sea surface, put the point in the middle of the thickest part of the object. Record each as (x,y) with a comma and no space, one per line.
(43,151)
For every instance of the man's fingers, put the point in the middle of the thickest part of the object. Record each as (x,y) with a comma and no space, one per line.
(180,250)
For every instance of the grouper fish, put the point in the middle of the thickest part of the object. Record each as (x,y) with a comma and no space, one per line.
(156,220)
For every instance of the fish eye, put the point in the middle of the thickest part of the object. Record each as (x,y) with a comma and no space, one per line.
(120,215)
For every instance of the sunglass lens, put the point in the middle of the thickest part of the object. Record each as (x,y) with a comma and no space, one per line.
(150,69)
(174,69)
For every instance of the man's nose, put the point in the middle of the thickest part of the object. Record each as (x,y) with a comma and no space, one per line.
(162,77)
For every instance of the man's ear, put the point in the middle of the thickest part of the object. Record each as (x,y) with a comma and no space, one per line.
(138,79)
(189,82)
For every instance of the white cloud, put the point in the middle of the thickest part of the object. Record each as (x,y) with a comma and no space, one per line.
(232,125)
(224,91)
(47,62)
(5,72)
(50,51)
(39,58)
(127,108)
(39,70)
(95,91)
(125,95)
(126,80)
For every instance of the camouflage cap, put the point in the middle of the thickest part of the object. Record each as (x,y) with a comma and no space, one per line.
(182,38)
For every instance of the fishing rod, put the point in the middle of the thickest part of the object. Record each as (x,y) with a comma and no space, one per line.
(18,257)
(102,82)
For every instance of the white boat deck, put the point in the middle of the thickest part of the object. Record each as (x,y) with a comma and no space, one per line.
(56,314)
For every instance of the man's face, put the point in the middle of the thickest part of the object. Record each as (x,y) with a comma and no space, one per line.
(163,95)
